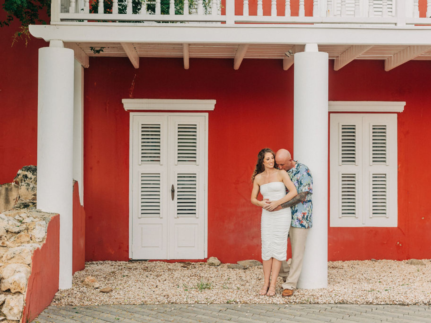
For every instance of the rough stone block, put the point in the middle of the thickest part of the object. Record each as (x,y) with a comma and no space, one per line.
(13,307)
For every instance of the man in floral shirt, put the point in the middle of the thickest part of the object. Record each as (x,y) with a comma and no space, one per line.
(302,208)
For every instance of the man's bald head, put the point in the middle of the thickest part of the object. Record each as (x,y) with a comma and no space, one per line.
(283,158)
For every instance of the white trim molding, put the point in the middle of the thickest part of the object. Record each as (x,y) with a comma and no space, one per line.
(168,105)
(366,106)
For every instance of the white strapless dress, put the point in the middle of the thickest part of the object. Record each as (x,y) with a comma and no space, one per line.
(275,225)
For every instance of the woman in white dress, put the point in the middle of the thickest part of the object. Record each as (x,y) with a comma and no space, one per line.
(275,225)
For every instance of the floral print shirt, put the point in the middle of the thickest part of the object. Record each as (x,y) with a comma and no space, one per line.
(301,212)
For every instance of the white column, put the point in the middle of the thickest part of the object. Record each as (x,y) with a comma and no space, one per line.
(311,148)
(78,129)
(55,145)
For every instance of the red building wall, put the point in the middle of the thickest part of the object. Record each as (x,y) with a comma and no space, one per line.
(254,109)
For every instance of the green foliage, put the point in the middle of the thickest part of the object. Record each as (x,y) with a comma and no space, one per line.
(151,6)
(28,12)
(203,285)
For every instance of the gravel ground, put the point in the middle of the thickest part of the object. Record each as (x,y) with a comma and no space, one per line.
(350,282)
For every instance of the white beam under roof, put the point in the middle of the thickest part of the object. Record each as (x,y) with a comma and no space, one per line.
(349,55)
(236,34)
(186,56)
(80,55)
(131,53)
(404,56)
(288,60)
(239,56)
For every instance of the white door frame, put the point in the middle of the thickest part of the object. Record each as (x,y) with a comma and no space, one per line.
(132,115)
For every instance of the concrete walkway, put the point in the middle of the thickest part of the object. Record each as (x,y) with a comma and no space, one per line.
(237,313)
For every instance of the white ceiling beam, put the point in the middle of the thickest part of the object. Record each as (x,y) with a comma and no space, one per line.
(349,55)
(131,54)
(80,55)
(404,56)
(289,56)
(186,56)
(239,56)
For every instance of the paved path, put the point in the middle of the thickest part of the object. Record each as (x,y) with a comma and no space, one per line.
(237,313)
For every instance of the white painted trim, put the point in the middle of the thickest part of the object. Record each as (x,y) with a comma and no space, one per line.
(168,105)
(131,54)
(78,128)
(366,106)
(206,147)
(236,34)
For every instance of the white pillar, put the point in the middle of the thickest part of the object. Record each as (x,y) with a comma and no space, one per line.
(78,129)
(311,148)
(55,145)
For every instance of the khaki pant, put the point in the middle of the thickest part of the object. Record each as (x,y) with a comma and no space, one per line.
(298,238)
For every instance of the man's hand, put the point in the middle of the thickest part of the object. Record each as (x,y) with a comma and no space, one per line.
(278,208)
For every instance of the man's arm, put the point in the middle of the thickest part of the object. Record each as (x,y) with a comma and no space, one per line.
(297,199)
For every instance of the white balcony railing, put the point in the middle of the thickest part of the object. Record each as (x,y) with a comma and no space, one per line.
(357,12)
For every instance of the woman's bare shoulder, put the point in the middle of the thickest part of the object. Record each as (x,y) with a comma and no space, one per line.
(258,178)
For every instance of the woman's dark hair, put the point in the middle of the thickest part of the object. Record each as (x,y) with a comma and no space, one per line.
(259,165)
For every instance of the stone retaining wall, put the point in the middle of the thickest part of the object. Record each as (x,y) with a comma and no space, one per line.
(29,250)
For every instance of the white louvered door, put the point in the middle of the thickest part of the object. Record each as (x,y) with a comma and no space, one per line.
(363,168)
(186,202)
(168,192)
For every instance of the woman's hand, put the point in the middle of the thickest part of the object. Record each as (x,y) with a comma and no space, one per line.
(264,203)
(271,206)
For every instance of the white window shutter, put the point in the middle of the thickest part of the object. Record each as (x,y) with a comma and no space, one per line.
(380,170)
(363,170)
(150,147)
(346,165)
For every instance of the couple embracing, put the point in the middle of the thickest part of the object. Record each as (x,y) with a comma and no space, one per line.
(286,187)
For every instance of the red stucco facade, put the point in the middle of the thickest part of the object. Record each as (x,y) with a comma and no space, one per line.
(254,109)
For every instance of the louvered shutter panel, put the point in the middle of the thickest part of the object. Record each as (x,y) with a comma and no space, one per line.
(187,143)
(187,194)
(187,208)
(149,187)
(150,195)
(348,195)
(346,163)
(349,10)
(379,142)
(348,137)
(150,150)
(378,5)
(380,170)
(379,195)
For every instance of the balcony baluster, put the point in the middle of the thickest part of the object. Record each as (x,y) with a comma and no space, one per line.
(259,8)
(273,8)
(101,9)
(287,8)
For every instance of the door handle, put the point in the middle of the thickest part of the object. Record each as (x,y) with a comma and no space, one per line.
(172,192)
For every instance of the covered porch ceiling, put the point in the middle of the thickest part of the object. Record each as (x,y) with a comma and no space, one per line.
(393,55)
